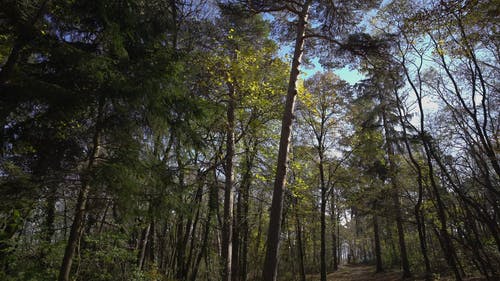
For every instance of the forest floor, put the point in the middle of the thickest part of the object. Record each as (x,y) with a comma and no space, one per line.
(367,273)
(362,273)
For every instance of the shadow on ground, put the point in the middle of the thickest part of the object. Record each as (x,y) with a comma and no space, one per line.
(359,273)
(367,273)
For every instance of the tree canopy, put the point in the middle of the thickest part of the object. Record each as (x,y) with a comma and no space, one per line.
(197,140)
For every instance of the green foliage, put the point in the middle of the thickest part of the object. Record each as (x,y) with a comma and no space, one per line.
(110,251)
(150,82)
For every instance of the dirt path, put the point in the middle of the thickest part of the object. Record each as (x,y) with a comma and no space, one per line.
(362,273)
(359,273)
(367,273)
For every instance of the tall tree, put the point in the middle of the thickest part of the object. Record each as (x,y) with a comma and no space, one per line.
(320,111)
(332,20)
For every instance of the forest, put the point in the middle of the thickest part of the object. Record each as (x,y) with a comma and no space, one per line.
(245,140)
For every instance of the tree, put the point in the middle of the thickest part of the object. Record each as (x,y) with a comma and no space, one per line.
(331,18)
(370,169)
(320,111)
(137,138)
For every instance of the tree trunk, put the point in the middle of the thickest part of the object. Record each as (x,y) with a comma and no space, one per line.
(142,246)
(258,238)
(300,246)
(151,245)
(446,243)
(212,207)
(395,194)
(50,215)
(196,204)
(227,227)
(376,236)
(245,196)
(339,248)
(181,229)
(401,236)
(333,218)
(323,217)
(419,216)
(78,220)
(271,260)
(235,272)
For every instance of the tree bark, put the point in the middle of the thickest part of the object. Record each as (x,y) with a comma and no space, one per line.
(300,245)
(322,216)
(446,242)
(212,207)
(192,234)
(333,218)
(245,197)
(50,214)
(395,194)
(376,237)
(273,238)
(227,227)
(142,246)
(419,216)
(78,220)
(235,266)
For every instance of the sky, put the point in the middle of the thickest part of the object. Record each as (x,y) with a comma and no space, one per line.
(349,75)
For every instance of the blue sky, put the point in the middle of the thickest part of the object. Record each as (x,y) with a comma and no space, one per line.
(349,75)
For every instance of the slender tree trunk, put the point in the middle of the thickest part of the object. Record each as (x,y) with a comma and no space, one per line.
(378,253)
(151,249)
(212,207)
(300,245)
(443,235)
(270,268)
(258,238)
(419,216)
(245,196)
(180,232)
(75,233)
(197,204)
(401,237)
(142,246)
(50,215)
(227,227)
(339,248)
(314,238)
(235,272)
(446,243)
(179,249)
(104,216)
(244,244)
(175,26)
(322,217)
(333,217)
(78,220)
(290,255)
(395,194)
